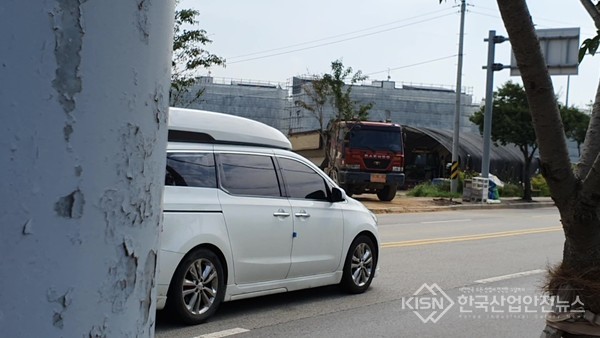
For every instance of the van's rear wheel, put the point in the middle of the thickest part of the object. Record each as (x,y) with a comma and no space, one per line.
(387,193)
(197,288)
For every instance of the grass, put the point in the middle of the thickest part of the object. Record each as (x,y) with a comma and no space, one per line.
(538,185)
(430,190)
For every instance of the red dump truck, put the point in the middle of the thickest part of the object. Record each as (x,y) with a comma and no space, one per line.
(367,157)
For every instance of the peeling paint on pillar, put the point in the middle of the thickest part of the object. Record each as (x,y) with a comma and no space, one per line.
(148,279)
(142,19)
(64,301)
(124,275)
(67,131)
(28,227)
(160,114)
(129,200)
(68,33)
(98,331)
(75,158)
(70,206)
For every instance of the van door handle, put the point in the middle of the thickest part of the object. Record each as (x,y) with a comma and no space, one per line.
(302,213)
(281,213)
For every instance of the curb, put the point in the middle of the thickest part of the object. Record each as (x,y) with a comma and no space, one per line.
(470,206)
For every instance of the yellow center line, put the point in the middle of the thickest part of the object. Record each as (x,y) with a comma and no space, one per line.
(469,237)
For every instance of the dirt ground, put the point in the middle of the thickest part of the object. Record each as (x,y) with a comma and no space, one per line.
(403,203)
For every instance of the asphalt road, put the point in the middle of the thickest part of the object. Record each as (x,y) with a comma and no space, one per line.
(474,257)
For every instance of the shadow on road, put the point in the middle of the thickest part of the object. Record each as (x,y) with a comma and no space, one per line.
(240,308)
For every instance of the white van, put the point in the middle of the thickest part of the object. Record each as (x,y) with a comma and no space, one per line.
(244,216)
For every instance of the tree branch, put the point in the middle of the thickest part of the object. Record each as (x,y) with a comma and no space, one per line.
(591,144)
(533,149)
(592,11)
(591,185)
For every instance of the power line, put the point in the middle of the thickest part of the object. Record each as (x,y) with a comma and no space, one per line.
(335,36)
(339,41)
(414,64)
(484,14)
(495,10)
(535,19)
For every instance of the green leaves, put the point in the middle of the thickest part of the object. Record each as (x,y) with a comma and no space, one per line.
(346,108)
(189,55)
(333,88)
(589,45)
(511,118)
(575,123)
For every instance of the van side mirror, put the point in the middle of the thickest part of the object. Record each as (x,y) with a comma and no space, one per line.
(337,195)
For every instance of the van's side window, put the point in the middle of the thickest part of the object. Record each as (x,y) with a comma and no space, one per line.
(244,174)
(302,181)
(191,169)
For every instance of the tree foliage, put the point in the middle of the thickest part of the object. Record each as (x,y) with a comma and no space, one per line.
(590,45)
(334,90)
(575,123)
(511,123)
(189,55)
(340,83)
(318,92)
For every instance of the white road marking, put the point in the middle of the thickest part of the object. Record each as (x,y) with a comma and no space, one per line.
(448,221)
(224,333)
(511,276)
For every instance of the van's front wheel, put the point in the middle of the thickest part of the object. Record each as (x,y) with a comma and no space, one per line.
(197,288)
(359,268)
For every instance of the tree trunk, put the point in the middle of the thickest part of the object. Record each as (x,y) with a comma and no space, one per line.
(577,197)
(527,179)
(83,102)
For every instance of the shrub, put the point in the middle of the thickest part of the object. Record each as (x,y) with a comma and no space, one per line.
(510,190)
(539,185)
(429,190)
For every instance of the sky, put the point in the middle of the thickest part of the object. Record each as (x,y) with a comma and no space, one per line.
(411,41)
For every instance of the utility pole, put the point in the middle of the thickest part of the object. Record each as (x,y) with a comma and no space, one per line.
(491,67)
(568,85)
(455,140)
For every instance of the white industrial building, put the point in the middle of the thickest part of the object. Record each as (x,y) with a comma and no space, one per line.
(426,106)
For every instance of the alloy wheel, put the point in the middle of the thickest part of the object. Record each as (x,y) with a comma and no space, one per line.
(362,264)
(200,286)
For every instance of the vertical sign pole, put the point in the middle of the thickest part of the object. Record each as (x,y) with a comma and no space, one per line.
(489,99)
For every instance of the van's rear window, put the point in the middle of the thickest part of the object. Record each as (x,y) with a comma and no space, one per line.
(191,169)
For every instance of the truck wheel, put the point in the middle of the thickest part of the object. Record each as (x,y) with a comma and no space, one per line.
(387,193)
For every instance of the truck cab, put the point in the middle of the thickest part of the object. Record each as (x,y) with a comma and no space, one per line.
(367,157)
